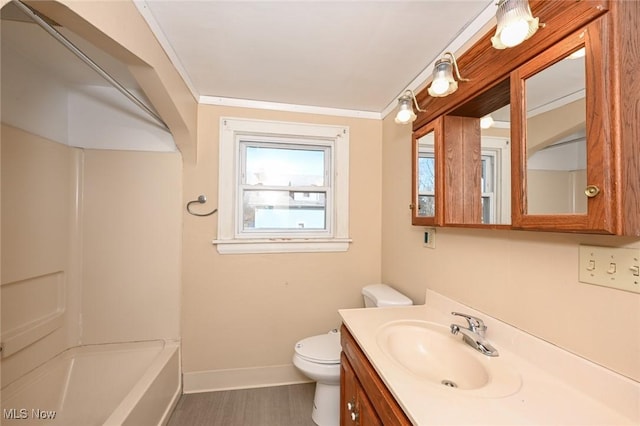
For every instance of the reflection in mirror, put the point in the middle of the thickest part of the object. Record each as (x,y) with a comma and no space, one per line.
(496,166)
(556,141)
(426,176)
(487,177)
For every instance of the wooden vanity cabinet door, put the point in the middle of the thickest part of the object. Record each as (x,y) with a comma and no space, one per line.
(361,383)
(366,413)
(348,392)
(356,408)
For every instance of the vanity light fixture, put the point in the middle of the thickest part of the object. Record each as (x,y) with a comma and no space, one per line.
(405,113)
(443,83)
(515,23)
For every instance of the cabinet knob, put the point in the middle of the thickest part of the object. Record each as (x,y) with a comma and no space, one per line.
(354,416)
(591,191)
(350,406)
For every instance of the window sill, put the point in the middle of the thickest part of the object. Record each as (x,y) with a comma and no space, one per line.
(277,245)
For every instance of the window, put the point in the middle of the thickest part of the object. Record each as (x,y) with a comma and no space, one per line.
(283,187)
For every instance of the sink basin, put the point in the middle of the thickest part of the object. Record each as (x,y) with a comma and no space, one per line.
(428,352)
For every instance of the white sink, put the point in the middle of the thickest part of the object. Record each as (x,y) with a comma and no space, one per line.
(429,353)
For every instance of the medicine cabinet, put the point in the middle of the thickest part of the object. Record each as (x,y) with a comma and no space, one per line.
(564,164)
(565,140)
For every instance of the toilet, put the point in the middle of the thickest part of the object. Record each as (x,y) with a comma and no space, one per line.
(318,357)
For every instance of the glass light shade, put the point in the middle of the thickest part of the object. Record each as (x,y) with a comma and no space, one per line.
(405,113)
(443,82)
(515,24)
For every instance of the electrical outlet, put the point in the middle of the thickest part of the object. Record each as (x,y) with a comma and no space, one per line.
(614,267)
(429,238)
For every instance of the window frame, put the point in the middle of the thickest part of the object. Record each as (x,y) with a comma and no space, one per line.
(229,239)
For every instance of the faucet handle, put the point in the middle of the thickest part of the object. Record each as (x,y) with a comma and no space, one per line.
(475,324)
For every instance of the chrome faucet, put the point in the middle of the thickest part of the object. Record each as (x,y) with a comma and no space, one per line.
(474,335)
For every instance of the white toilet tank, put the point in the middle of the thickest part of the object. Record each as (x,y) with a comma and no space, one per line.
(379,295)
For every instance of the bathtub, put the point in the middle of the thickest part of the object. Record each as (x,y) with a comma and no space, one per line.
(112,384)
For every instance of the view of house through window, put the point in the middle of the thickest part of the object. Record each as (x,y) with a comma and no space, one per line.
(284,186)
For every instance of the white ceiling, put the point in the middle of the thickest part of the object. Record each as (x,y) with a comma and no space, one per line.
(355,55)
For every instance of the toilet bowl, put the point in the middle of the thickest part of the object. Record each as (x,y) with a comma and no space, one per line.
(318,357)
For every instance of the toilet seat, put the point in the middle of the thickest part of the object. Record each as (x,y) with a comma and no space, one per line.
(321,349)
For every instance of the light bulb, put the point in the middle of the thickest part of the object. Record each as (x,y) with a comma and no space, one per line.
(403,116)
(440,86)
(514,33)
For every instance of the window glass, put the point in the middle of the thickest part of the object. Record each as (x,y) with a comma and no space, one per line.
(487,182)
(284,166)
(426,183)
(273,210)
(283,186)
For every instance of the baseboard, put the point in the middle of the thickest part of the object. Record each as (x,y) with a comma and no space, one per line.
(242,378)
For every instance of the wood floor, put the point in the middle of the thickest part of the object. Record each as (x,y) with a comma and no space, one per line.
(276,406)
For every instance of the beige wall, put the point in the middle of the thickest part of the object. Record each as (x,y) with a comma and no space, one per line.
(527,279)
(247,311)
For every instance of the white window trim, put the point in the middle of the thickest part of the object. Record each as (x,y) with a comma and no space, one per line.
(230,131)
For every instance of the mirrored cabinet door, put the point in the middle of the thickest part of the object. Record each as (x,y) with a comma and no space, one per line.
(560,118)
(426,188)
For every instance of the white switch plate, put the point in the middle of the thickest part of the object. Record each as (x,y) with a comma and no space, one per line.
(429,238)
(614,267)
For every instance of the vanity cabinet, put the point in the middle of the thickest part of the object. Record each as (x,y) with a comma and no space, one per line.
(597,190)
(364,398)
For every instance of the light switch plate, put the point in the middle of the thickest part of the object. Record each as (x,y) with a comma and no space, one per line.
(429,238)
(615,267)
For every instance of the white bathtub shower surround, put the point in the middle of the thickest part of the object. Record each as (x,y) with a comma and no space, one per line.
(110,384)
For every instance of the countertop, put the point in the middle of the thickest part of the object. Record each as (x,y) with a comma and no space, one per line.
(556,387)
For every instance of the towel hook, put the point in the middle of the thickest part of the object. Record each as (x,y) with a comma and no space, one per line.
(201,199)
